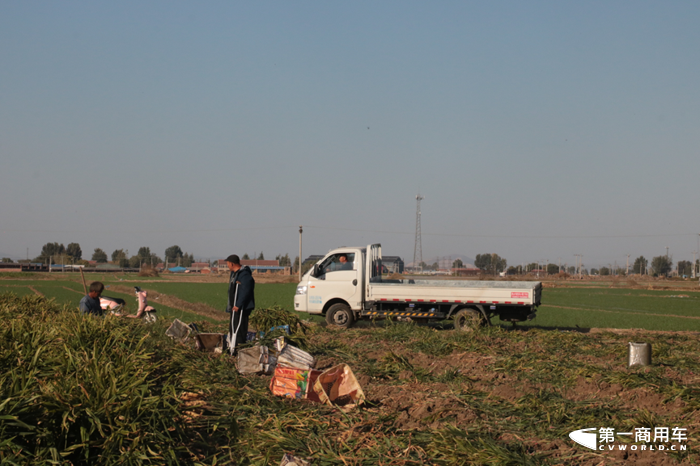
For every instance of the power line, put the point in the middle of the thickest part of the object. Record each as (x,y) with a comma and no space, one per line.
(324,227)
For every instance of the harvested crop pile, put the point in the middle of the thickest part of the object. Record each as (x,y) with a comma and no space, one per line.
(83,390)
(274,317)
(263,319)
(147,271)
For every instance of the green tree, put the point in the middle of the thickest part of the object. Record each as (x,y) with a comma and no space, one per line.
(552,269)
(155,260)
(661,265)
(604,271)
(50,250)
(144,255)
(458,264)
(135,262)
(99,255)
(173,253)
(483,262)
(304,267)
(640,265)
(118,255)
(284,261)
(73,250)
(245,257)
(187,260)
(595,271)
(685,268)
(7,260)
(499,263)
(490,263)
(261,257)
(571,270)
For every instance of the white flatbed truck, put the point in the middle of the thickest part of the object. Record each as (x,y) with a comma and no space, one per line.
(347,285)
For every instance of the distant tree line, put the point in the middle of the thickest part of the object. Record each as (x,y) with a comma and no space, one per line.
(490,263)
(56,253)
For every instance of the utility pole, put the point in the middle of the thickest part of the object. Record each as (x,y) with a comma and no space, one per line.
(301,230)
(693,274)
(666,252)
(418,245)
(627,270)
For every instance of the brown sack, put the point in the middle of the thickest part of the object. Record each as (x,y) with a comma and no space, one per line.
(338,386)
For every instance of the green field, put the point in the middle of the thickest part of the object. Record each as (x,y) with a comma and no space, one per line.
(571,307)
(56,289)
(618,308)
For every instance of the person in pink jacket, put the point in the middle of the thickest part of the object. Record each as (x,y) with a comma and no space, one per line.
(143,303)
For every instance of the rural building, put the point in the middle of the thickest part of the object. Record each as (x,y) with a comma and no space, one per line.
(259,265)
(198,266)
(10,267)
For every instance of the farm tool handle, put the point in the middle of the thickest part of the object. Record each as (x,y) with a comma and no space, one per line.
(83,276)
(232,339)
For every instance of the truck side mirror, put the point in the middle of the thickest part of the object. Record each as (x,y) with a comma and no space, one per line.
(314,271)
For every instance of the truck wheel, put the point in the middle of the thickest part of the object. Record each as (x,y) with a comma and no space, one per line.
(468,320)
(340,315)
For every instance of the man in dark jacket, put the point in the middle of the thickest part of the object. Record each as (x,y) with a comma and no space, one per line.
(241,297)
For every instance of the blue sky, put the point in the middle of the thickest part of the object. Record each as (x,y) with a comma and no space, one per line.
(536,130)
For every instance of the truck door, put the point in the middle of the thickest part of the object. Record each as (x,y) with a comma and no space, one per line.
(337,277)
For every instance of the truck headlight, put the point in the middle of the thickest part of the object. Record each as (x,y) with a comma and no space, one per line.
(301,289)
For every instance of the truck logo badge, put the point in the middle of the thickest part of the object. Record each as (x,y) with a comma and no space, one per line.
(519,294)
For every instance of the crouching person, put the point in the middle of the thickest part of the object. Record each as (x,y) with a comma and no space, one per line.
(241,298)
(90,304)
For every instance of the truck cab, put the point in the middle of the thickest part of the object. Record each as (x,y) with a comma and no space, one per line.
(337,278)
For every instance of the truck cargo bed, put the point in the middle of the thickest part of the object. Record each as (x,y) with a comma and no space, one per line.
(457,291)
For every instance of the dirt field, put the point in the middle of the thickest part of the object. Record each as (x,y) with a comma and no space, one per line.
(521,392)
